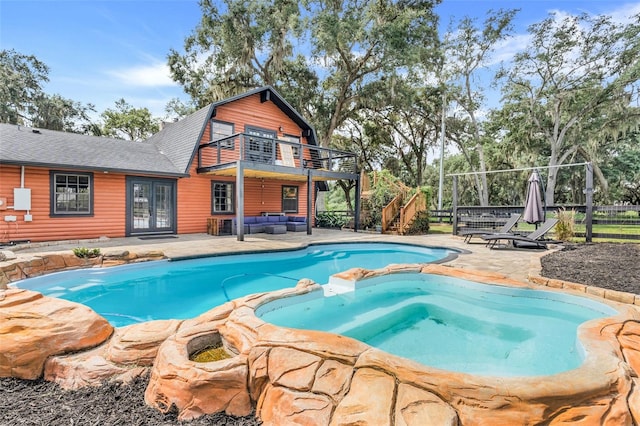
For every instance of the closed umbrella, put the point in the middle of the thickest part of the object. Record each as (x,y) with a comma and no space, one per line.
(533,208)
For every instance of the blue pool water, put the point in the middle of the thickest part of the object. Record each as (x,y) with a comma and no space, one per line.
(450,323)
(184,289)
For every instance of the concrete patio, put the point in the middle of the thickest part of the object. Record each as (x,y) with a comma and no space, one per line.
(512,263)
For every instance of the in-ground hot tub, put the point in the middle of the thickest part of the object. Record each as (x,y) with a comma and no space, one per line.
(449,323)
(315,377)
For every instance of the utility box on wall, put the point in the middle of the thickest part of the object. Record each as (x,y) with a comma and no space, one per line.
(21,198)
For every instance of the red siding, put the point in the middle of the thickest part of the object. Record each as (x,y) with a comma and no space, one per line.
(193,193)
(194,202)
(260,199)
(108,218)
(250,111)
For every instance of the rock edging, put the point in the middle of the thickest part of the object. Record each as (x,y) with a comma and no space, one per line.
(15,269)
(534,276)
(309,377)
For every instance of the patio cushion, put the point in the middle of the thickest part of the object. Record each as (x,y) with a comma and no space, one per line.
(296,226)
(275,228)
(254,228)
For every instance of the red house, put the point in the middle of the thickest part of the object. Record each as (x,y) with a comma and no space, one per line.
(228,165)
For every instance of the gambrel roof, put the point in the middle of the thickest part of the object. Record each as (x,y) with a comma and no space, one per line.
(168,152)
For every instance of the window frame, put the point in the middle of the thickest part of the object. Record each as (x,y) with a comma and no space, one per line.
(53,199)
(229,144)
(232,189)
(297,198)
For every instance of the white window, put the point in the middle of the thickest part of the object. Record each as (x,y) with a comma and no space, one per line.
(222,197)
(222,130)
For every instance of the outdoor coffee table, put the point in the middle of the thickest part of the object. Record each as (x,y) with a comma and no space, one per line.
(275,229)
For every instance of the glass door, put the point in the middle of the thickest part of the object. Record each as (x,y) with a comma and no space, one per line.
(260,146)
(151,206)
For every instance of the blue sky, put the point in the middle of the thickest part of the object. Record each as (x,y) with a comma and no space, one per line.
(101,51)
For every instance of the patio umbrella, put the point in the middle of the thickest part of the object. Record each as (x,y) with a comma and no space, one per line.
(533,208)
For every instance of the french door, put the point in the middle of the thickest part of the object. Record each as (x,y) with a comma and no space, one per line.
(260,145)
(151,206)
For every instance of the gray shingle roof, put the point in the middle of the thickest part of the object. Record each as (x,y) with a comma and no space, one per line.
(48,148)
(179,140)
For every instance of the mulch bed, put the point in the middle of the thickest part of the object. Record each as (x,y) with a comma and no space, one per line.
(43,403)
(612,266)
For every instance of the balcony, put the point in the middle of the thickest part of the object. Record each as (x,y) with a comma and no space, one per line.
(263,157)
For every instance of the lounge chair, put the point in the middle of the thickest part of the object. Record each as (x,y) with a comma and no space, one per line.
(533,240)
(506,228)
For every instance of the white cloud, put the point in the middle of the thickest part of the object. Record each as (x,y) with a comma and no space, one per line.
(625,13)
(506,49)
(622,14)
(155,75)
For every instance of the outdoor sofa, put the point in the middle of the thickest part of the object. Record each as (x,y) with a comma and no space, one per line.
(257,224)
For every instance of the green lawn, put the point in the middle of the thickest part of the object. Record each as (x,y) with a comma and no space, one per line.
(611,229)
(440,228)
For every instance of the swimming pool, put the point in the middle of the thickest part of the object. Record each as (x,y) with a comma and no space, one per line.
(186,288)
(449,323)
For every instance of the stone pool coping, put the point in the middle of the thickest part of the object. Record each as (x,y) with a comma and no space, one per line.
(308,377)
(15,269)
(312,377)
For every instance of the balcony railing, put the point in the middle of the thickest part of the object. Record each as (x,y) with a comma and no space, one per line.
(258,149)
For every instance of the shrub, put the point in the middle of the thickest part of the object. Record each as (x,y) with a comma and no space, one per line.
(330,220)
(84,252)
(565,228)
(383,190)
(630,214)
(420,225)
